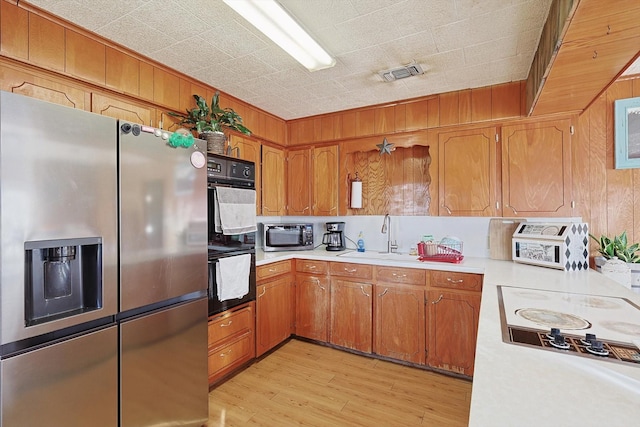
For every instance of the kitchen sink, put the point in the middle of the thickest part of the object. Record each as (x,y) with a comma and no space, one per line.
(380,255)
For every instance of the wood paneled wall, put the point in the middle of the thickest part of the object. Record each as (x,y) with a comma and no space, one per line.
(607,198)
(497,102)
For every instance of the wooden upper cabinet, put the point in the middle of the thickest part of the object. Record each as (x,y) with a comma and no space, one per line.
(121,109)
(46,43)
(536,169)
(325,181)
(467,172)
(166,88)
(122,71)
(299,182)
(85,57)
(57,91)
(273,181)
(14,31)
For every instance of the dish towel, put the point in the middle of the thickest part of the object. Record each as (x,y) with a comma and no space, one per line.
(235,210)
(232,276)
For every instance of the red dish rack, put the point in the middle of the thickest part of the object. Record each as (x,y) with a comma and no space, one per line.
(449,252)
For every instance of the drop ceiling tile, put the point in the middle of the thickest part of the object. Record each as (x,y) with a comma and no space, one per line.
(248,67)
(242,43)
(490,51)
(161,15)
(142,38)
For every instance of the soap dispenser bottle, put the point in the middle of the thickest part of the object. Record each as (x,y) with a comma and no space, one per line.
(360,243)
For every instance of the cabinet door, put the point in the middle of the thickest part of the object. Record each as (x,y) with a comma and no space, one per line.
(273,310)
(453,327)
(312,306)
(468,176)
(325,181)
(58,91)
(120,109)
(273,197)
(247,149)
(536,169)
(298,183)
(400,322)
(351,315)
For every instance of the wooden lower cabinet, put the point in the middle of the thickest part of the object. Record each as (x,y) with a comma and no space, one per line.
(231,339)
(452,330)
(273,313)
(351,315)
(400,322)
(312,306)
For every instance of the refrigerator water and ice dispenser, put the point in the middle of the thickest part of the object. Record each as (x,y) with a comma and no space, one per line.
(62,278)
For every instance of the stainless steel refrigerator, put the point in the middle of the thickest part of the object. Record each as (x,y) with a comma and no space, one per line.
(163,280)
(103,280)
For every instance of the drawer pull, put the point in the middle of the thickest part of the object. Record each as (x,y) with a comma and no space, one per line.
(438,300)
(362,289)
(226,353)
(384,292)
(454,281)
(311,267)
(222,325)
(398,275)
(273,270)
(350,270)
(264,291)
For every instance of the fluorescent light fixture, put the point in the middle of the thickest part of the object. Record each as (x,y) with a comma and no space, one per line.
(270,18)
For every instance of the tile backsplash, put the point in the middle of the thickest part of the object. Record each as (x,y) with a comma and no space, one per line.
(406,230)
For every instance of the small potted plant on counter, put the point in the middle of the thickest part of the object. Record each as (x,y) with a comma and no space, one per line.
(210,121)
(618,248)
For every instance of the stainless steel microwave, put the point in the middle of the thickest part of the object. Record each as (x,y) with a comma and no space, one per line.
(287,237)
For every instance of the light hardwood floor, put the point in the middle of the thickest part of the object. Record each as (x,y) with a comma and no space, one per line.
(311,385)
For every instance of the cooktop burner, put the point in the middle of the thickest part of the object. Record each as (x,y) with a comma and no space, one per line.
(571,323)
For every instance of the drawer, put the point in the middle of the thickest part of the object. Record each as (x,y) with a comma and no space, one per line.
(228,325)
(310,266)
(273,269)
(410,276)
(235,353)
(361,271)
(452,280)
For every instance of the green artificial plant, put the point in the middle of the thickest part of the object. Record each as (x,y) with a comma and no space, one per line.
(211,118)
(618,247)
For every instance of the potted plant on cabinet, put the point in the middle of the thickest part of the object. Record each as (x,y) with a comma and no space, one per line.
(619,248)
(210,121)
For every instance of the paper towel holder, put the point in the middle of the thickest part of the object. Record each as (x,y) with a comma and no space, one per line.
(356,192)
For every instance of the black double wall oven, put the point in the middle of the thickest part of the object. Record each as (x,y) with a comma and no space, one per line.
(223,171)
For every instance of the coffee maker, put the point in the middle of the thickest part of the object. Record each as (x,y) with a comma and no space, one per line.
(334,237)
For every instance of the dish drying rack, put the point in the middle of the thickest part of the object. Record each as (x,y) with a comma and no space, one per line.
(443,252)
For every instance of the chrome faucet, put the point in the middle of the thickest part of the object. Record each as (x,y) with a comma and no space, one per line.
(386,229)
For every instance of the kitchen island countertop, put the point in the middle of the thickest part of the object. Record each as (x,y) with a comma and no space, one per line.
(522,386)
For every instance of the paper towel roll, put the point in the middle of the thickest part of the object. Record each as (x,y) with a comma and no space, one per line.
(356,194)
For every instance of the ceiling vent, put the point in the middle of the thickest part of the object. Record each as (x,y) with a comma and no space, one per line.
(410,70)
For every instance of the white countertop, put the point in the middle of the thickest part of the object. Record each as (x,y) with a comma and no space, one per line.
(522,386)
